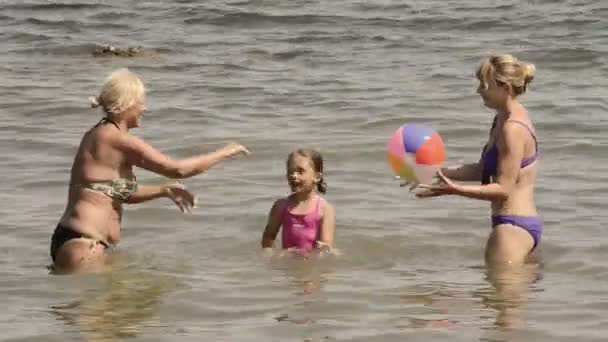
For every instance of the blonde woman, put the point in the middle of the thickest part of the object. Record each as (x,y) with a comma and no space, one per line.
(102,178)
(508,165)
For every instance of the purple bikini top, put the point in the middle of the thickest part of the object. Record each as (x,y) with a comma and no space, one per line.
(489,156)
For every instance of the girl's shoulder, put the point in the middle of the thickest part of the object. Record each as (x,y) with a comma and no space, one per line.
(324,205)
(280,204)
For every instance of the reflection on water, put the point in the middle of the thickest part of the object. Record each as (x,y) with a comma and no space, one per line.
(508,295)
(498,307)
(126,302)
(128,297)
(306,271)
(430,307)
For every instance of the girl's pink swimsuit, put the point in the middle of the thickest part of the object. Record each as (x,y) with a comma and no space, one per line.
(301,230)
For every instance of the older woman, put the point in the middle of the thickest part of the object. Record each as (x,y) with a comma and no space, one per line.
(508,165)
(102,176)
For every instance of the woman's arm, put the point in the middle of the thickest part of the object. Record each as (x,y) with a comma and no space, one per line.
(146,193)
(273,224)
(143,155)
(177,192)
(466,173)
(510,153)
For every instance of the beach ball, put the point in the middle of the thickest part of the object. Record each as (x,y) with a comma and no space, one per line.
(415,153)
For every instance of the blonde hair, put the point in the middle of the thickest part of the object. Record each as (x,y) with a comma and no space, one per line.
(121,90)
(506,69)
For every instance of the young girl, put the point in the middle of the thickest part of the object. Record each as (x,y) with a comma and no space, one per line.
(306,217)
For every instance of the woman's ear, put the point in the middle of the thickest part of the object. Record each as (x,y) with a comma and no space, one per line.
(508,88)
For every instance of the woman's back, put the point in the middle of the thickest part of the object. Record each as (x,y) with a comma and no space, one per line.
(97,160)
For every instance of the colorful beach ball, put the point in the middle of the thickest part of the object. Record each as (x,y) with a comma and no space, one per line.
(415,153)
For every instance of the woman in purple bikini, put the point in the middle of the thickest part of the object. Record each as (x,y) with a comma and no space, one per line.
(508,165)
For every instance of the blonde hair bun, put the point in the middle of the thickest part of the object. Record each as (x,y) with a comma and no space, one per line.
(94,102)
(506,69)
(529,71)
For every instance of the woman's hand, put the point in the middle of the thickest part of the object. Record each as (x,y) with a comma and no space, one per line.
(234,149)
(442,186)
(183,198)
(409,184)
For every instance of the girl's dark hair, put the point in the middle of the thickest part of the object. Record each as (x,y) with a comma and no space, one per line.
(317,164)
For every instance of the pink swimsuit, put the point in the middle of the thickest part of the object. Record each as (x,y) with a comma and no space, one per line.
(301,231)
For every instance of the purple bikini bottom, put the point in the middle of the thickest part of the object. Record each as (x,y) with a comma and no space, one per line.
(532,224)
